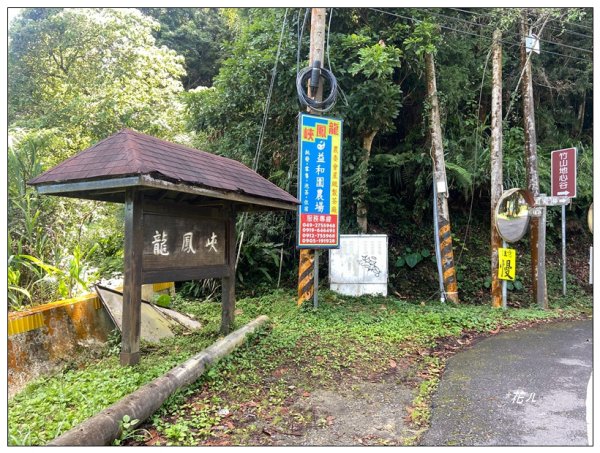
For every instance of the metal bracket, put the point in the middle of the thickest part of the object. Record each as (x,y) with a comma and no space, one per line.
(545,200)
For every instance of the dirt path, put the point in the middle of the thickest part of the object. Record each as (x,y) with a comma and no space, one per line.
(364,413)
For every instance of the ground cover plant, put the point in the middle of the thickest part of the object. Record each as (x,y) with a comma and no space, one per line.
(250,395)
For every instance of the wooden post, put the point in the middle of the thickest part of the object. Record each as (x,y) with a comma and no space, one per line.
(306,268)
(538,247)
(439,171)
(496,163)
(228,282)
(132,284)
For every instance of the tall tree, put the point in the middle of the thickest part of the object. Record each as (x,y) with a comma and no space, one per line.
(74,77)
(374,103)
(92,71)
(199,34)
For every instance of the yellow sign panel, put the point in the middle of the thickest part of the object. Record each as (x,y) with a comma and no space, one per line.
(507,264)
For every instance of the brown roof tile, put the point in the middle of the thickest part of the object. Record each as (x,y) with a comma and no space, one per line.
(132,153)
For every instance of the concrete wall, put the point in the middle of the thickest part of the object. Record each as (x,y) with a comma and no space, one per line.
(40,338)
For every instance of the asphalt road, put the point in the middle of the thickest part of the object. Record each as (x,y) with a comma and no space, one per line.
(527,387)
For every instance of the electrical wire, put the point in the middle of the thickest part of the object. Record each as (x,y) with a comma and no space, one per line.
(329,60)
(244,217)
(512,96)
(558,29)
(319,106)
(478,35)
(300,33)
(268,101)
(518,35)
(419,20)
(475,154)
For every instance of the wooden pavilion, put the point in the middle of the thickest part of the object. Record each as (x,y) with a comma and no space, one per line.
(180,211)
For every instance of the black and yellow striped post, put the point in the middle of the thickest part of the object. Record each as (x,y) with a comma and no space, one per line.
(306,287)
(306,268)
(448,270)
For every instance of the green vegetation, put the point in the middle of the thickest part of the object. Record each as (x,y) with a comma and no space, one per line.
(200,76)
(304,350)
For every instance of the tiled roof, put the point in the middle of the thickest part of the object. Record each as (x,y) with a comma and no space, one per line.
(130,153)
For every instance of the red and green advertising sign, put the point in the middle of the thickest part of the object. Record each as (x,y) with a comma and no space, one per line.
(319,175)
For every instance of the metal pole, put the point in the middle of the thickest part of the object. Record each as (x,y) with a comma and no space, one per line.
(564,249)
(316,280)
(439,169)
(542,290)
(504,245)
(591,265)
(436,240)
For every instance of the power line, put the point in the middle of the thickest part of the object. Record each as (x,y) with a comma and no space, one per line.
(473,34)
(475,156)
(561,29)
(419,20)
(518,35)
(512,97)
(456,18)
(566,56)
(270,93)
(329,60)
(484,25)
(580,25)
(587,51)
(300,33)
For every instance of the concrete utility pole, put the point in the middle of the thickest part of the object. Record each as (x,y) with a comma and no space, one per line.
(538,225)
(496,161)
(439,172)
(308,270)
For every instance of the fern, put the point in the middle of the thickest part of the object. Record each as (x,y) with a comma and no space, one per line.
(460,176)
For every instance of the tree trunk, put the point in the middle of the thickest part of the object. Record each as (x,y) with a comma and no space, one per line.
(538,252)
(439,172)
(361,205)
(103,428)
(496,162)
(581,115)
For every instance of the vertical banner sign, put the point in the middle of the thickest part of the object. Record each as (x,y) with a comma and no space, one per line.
(319,175)
(564,173)
(507,264)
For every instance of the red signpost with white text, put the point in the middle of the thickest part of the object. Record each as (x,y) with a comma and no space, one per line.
(564,185)
(564,173)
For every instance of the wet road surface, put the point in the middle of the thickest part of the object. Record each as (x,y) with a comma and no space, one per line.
(527,387)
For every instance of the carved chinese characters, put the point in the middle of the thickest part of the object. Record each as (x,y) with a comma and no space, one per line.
(182,242)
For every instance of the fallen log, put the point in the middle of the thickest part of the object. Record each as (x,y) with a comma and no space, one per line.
(104,427)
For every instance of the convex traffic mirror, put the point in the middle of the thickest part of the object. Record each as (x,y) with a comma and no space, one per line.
(512,214)
(591,218)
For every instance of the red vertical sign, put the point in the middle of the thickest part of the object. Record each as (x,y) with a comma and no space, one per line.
(564,173)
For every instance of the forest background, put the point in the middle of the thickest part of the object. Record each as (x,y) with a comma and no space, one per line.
(224,81)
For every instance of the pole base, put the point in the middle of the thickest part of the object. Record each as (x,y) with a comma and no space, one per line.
(130,358)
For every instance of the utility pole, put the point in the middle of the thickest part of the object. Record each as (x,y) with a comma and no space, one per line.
(538,225)
(308,270)
(439,173)
(496,162)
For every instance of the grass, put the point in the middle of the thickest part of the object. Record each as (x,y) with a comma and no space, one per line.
(302,350)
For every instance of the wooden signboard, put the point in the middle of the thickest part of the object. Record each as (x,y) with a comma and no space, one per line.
(174,242)
(181,245)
